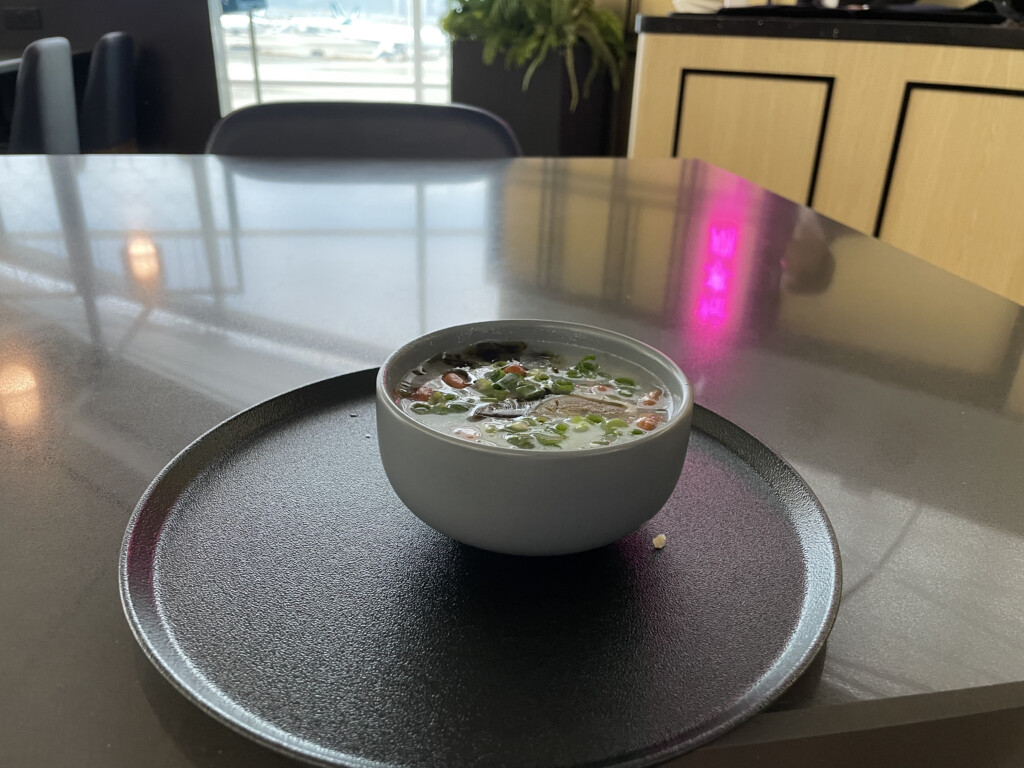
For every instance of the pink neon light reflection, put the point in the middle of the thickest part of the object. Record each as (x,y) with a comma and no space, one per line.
(713,300)
(718,277)
(722,240)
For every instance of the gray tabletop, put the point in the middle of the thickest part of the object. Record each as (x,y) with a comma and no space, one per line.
(143,299)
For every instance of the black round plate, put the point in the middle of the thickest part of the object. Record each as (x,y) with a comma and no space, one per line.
(273,576)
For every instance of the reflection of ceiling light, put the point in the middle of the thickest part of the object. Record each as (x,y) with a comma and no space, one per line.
(15,379)
(19,395)
(143,259)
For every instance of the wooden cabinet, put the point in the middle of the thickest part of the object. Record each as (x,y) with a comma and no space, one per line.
(918,144)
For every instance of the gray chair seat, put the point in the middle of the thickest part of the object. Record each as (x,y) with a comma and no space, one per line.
(363,130)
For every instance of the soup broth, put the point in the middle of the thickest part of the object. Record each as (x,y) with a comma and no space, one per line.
(509,395)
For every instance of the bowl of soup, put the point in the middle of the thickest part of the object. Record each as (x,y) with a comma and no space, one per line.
(532,437)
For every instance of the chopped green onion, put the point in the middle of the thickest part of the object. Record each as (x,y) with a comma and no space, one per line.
(636,432)
(500,364)
(562,386)
(457,407)
(541,376)
(527,391)
(549,440)
(494,375)
(626,381)
(562,427)
(542,419)
(616,423)
(593,418)
(439,408)
(589,357)
(627,393)
(520,441)
(572,373)
(420,408)
(436,397)
(581,427)
(450,396)
(487,388)
(509,381)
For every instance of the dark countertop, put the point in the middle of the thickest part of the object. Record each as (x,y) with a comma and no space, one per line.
(1006,35)
(894,388)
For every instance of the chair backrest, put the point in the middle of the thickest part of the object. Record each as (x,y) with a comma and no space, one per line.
(363,130)
(45,119)
(106,119)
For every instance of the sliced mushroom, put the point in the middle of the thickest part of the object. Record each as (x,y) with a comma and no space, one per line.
(496,350)
(503,409)
(578,405)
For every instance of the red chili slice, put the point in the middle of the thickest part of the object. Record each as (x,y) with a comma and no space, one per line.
(422,394)
(647,423)
(652,397)
(455,379)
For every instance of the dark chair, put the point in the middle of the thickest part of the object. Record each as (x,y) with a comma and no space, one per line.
(363,130)
(45,120)
(106,120)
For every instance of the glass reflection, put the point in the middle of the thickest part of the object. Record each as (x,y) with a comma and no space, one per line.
(143,258)
(252,261)
(306,257)
(19,395)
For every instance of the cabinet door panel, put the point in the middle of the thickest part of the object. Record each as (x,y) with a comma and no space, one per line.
(957,186)
(766,128)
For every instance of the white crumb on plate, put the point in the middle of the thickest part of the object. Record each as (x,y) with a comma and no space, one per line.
(659,541)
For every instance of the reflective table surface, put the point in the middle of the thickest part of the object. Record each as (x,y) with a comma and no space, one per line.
(144,299)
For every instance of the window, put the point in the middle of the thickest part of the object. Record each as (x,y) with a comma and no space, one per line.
(330,50)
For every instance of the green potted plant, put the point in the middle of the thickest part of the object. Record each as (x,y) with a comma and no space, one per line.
(523,60)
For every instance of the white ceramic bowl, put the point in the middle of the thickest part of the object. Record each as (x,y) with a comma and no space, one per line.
(531,502)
